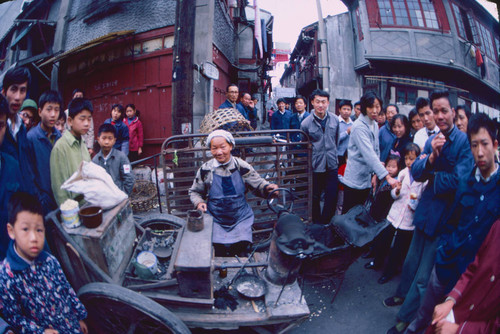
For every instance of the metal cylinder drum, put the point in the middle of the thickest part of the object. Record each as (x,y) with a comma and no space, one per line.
(282,268)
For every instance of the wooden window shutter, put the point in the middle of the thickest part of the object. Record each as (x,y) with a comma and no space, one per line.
(373,13)
(441,15)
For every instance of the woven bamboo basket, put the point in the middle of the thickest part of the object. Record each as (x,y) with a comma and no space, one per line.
(228,119)
(143,196)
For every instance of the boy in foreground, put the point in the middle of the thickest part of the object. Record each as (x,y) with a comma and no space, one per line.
(69,152)
(41,140)
(36,295)
(114,161)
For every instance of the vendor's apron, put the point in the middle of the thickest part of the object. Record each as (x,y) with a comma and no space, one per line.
(232,215)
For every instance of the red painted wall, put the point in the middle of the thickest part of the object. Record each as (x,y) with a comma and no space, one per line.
(223,65)
(144,80)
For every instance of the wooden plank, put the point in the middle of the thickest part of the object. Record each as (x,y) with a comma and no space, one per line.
(195,249)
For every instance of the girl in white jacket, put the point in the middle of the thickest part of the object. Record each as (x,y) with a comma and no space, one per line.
(399,233)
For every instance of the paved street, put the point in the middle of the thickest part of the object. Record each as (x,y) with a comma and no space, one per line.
(357,308)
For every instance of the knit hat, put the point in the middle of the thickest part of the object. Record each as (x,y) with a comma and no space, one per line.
(221,133)
(29,103)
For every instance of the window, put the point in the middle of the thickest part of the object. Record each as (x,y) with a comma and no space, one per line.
(408,13)
(429,15)
(497,48)
(460,23)
(486,41)
(386,12)
(473,31)
(406,95)
(416,17)
(400,12)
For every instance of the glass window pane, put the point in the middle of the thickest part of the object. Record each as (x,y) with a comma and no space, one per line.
(412,97)
(386,12)
(460,23)
(415,13)
(496,48)
(401,96)
(475,34)
(430,15)
(487,41)
(401,13)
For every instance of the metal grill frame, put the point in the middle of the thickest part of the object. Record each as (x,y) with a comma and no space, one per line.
(286,164)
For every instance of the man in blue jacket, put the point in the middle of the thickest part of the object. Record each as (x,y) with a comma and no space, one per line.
(232,92)
(445,158)
(475,209)
(385,135)
(247,109)
(15,88)
(10,179)
(282,118)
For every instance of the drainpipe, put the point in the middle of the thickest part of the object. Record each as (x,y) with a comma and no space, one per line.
(324,56)
(60,39)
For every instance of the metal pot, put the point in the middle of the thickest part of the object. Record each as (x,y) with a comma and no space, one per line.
(250,286)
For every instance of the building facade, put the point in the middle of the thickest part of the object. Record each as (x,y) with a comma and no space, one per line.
(404,50)
(122,51)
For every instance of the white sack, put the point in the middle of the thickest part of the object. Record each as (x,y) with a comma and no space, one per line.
(96,185)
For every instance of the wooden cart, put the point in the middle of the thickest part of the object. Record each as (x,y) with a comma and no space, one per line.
(99,263)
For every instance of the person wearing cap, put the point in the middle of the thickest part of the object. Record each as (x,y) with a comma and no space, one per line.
(29,114)
(219,188)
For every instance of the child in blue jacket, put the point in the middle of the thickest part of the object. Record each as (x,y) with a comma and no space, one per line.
(34,293)
(122,139)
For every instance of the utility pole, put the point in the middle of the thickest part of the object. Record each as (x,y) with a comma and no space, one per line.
(182,74)
(325,68)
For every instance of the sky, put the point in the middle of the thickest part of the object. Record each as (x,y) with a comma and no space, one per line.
(290,16)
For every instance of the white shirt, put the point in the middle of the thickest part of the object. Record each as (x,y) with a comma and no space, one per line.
(343,120)
(17,126)
(480,177)
(422,135)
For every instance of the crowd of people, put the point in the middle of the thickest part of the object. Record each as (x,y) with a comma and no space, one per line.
(433,176)
(41,146)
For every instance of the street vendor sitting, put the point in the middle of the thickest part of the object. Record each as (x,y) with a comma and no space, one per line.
(220,187)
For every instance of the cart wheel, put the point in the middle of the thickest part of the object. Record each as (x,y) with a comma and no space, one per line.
(162,221)
(114,309)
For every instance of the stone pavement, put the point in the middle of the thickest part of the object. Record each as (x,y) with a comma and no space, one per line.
(357,307)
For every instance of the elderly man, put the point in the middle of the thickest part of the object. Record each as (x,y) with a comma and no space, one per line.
(232,93)
(248,106)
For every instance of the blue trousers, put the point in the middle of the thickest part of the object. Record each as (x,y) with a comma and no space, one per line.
(416,272)
(435,294)
(326,182)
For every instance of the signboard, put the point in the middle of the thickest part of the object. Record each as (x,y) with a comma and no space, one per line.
(211,71)
(186,128)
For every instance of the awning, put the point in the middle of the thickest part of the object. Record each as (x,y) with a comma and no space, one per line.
(95,42)
(21,35)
